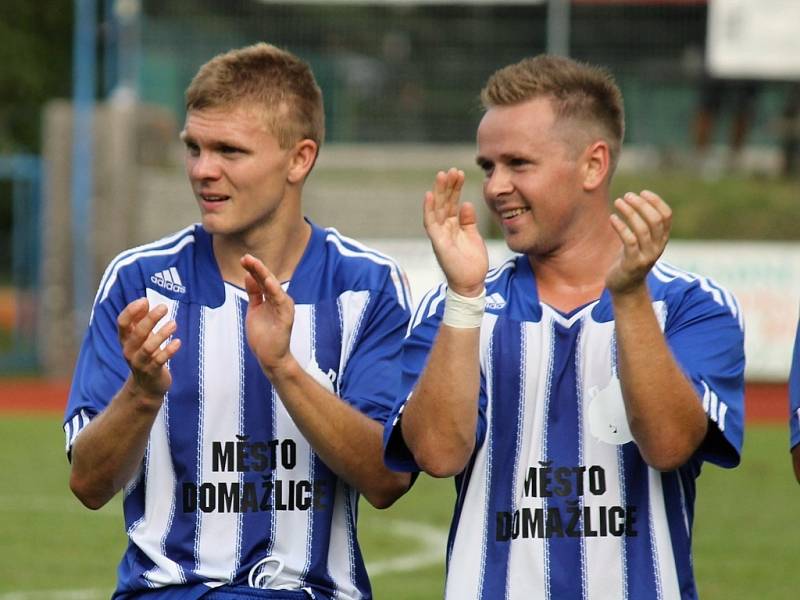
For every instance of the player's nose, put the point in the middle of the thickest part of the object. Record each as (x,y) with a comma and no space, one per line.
(496,184)
(203,166)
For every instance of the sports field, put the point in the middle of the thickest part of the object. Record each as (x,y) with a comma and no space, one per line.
(747,532)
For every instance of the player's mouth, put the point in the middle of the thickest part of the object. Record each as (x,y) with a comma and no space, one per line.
(507,215)
(211,201)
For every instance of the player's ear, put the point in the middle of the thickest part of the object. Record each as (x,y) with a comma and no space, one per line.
(595,165)
(302,159)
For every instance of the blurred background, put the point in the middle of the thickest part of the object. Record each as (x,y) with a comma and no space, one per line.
(90,164)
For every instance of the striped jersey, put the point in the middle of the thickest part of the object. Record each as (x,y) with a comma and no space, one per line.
(556,501)
(227,478)
(794,393)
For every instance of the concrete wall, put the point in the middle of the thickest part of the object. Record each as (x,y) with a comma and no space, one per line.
(129,142)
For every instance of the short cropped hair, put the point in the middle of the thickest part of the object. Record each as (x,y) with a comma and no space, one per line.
(578,91)
(270,78)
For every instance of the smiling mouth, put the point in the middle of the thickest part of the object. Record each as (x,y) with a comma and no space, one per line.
(213,198)
(510,214)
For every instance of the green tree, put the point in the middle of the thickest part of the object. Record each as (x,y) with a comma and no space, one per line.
(36,54)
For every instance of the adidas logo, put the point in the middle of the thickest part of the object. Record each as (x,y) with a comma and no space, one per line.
(495,301)
(169,280)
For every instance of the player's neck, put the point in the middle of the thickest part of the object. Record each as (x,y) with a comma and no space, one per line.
(575,275)
(280,249)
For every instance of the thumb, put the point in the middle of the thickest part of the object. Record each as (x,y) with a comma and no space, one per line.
(467,216)
(254,291)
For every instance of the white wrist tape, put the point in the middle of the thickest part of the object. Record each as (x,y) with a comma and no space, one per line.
(463,312)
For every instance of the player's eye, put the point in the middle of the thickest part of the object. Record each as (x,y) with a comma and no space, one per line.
(192,148)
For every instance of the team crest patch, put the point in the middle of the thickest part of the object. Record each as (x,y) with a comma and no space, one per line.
(326,380)
(608,420)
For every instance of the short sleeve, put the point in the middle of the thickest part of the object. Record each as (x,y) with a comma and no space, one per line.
(371,376)
(101,369)
(794,393)
(705,334)
(416,347)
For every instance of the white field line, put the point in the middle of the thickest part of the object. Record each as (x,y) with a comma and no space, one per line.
(432,539)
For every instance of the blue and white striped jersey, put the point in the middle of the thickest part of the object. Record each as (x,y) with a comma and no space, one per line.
(227,478)
(794,393)
(556,501)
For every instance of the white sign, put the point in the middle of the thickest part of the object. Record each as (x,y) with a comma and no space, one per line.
(754,40)
(765,278)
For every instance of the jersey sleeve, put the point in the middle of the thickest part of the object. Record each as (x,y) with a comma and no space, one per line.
(794,393)
(416,348)
(372,373)
(101,369)
(705,333)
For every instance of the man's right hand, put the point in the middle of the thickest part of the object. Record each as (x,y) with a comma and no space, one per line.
(142,346)
(453,231)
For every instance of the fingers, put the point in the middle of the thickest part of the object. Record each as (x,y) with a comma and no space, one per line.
(132,314)
(646,216)
(261,285)
(445,195)
(625,234)
(154,341)
(145,349)
(161,357)
(135,322)
(659,205)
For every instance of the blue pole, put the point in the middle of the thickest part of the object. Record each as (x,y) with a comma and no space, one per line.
(84,66)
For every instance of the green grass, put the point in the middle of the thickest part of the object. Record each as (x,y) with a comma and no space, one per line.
(747,533)
(747,530)
(730,208)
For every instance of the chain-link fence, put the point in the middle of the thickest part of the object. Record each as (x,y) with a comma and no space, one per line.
(405,71)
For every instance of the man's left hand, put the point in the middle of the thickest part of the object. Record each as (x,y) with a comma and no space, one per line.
(643,228)
(270,315)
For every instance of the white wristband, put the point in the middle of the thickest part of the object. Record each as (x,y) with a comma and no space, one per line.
(463,312)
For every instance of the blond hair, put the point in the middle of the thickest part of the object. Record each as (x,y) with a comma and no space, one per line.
(272,79)
(578,92)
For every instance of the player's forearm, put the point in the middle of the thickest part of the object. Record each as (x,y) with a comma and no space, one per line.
(108,452)
(440,419)
(346,440)
(666,419)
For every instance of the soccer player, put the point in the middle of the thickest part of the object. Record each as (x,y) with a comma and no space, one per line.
(794,405)
(576,390)
(236,376)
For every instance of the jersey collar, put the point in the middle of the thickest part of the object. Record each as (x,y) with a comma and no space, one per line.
(210,290)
